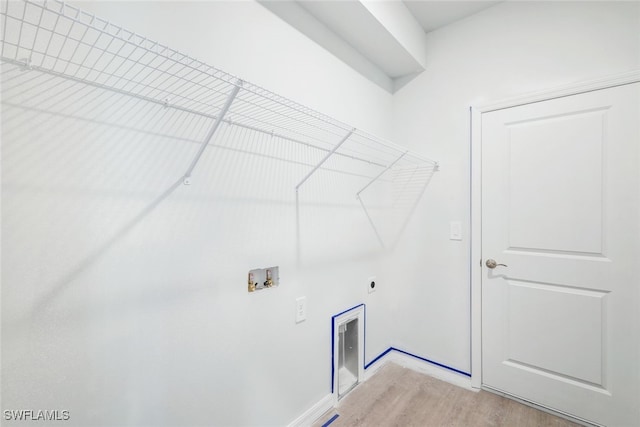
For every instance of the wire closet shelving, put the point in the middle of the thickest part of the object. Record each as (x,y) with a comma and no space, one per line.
(55,41)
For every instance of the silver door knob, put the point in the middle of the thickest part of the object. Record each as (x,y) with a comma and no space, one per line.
(491,263)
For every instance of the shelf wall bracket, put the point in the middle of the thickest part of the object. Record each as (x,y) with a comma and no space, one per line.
(212,131)
(380,174)
(374,179)
(373,225)
(329,154)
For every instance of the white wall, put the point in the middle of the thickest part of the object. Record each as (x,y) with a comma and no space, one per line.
(507,50)
(245,39)
(147,322)
(126,307)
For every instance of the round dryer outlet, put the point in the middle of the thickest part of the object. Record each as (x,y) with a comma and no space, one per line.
(372,285)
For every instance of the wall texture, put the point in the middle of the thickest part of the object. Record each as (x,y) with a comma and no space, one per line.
(124,296)
(508,50)
(124,299)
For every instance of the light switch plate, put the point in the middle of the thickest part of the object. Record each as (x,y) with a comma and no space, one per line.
(301,309)
(455,230)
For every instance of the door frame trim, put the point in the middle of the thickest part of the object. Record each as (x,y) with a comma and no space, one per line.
(475,200)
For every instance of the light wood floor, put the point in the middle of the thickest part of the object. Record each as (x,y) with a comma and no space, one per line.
(397,396)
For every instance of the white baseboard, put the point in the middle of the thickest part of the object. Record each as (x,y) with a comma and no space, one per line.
(430,369)
(372,369)
(315,412)
(393,356)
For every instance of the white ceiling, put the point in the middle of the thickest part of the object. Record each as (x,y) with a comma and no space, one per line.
(383,40)
(435,14)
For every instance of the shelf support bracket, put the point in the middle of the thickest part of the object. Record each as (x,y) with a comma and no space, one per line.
(375,229)
(223,111)
(381,173)
(329,154)
(374,179)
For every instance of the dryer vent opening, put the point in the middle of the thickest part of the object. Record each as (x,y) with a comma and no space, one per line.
(348,356)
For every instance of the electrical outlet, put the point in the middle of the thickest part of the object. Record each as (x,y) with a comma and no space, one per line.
(372,285)
(301,309)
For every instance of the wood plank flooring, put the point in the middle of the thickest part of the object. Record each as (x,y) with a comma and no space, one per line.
(397,396)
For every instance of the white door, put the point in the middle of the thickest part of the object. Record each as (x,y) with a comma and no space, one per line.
(560,207)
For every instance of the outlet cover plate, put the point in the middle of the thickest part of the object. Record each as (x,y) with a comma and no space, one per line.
(301,309)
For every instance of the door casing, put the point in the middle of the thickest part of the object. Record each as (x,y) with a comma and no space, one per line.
(476,194)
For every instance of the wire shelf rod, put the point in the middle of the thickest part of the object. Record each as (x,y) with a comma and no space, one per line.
(373,225)
(132,64)
(381,173)
(5,15)
(381,150)
(381,157)
(125,41)
(98,59)
(55,74)
(86,56)
(48,43)
(277,125)
(24,13)
(396,147)
(64,43)
(213,130)
(58,101)
(61,132)
(58,126)
(89,69)
(119,78)
(102,86)
(93,51)
(297,141)
(278,113)
(249,88)
(21,86)
(324,159)
(75,50)
(106,123)
(75,19)
(38,26)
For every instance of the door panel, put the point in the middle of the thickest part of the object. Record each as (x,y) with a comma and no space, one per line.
(541,148)
(560,207)
(545,340)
